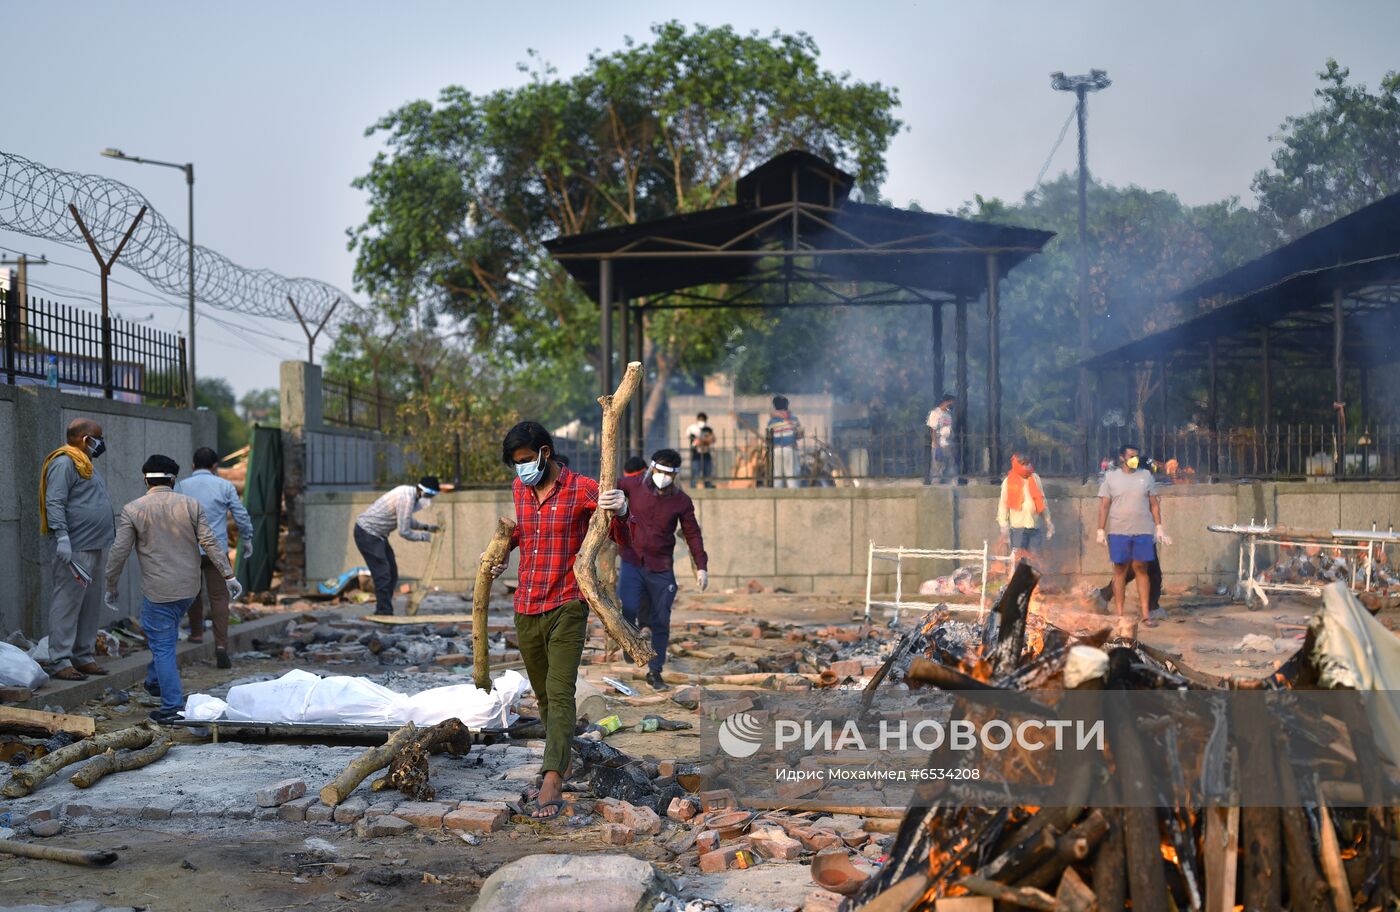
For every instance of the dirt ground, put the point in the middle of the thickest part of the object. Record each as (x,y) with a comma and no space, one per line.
(245,865)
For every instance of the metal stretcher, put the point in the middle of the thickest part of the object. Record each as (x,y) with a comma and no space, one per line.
(1254,592)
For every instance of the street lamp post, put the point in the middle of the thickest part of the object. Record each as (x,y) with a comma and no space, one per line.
(188,168)
(1081,86)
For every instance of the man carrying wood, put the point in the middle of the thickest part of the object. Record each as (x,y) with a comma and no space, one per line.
(646,584)
(167,530)
(1130,523)
(553,507)
(392,511)
(76,512)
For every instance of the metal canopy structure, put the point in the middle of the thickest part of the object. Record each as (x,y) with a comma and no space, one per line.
(794,238)
(1331,294)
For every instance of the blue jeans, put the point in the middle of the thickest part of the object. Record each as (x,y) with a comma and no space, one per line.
(161,623)
(648,595)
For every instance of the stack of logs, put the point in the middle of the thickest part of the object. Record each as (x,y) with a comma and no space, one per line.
(1293,856)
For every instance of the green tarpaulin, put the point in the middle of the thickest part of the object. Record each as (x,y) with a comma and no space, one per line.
(262,495)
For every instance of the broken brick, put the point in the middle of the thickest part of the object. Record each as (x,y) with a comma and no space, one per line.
(641,819)
(319,813)
(725,859)
(427,814)
(350,811)
(295,810)
(477,816)
(610,809)
(718,800)
(681,809)
(383,825)
(617,834)
(847,668)
(280,793)
(706,841)
(772,842)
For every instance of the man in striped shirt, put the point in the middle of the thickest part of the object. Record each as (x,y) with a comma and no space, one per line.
(553,507)
(784,430)
(392,511)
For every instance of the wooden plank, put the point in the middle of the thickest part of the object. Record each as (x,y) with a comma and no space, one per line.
(1222,854)
(425,584)
(36,721)
(10,694)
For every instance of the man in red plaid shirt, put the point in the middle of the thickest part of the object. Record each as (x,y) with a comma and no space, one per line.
(553,507)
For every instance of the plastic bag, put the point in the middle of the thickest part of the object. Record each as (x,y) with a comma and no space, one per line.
(40,652)
(19,670)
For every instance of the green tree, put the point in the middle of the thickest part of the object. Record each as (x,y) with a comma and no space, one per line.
(216,395)
(262,406)
(1336,158)
(470,187)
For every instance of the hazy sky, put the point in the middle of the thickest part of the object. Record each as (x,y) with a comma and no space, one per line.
(270,101)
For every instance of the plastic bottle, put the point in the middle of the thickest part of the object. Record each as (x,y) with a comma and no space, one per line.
(51,373)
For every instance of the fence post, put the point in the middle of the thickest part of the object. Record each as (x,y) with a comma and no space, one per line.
(7,303)
(184,375)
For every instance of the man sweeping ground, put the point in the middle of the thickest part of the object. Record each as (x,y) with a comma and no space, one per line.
(553,507)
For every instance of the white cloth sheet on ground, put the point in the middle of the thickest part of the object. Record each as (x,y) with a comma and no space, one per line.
(1354,650)
(300,696)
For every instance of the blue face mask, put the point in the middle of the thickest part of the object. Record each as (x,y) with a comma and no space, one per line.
(530,473)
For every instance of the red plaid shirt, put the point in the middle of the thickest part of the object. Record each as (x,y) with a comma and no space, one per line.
(549,534)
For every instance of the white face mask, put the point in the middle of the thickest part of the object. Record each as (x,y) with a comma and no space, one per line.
(661,480)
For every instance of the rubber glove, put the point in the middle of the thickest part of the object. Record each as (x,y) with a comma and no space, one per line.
(432,527)
(613,499)
(1162,535)
(110,600)
(63,547)
(495,569)
(1049,529)
(235,588)
(248,550)
(703,578)
(1101,537)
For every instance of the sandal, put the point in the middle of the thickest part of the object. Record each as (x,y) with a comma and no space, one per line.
(68,673)
(91,668)
(1149,622)
(558,805)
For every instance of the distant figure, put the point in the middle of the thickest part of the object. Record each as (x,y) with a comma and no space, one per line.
(784,431)
(702,438)
(76,511)
(392,511)
(1130,523)
(634,466)
(941,464)
(219,499)
(1022,512)
(168,531)
(646,584)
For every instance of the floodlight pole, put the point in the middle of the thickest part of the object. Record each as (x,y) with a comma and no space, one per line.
(1081,86)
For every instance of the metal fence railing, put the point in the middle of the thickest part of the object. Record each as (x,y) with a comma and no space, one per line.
(1286,451)
(48,342)
(360,407)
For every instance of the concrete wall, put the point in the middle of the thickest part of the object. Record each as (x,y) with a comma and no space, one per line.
(32,424)
(816,539)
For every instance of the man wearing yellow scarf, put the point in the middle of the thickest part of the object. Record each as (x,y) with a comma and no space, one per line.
(76,513)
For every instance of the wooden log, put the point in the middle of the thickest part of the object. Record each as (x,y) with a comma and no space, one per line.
(1018,896)
(1071,848)
(1263,881)
(1198,678)
(1307,891)
(1022,856)
(1009,620)
(1222,854)
(1330,851)
(1073,895)
(408,769)
(376,758)
(769,804)
(927,671)
(36,722)
(497,552)
(113,762)
(29,777)
(54,853)
(1110,867)
(12,694)
(602,600)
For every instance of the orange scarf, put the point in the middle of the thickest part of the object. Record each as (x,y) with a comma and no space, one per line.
(1017,481)
(81,462)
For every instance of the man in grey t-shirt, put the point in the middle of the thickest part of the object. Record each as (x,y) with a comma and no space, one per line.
(1130,523)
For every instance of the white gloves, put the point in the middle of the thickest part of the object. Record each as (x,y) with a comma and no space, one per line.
(235,588)
(1049,529)
(64,547)
(613,499)
(248,549)
(1100,537)
(703,578)
(110,600)
(1162,536)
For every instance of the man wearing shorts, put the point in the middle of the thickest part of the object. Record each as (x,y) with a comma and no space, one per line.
(1130,523)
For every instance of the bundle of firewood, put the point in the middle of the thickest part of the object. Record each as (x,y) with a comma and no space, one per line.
(1299,854)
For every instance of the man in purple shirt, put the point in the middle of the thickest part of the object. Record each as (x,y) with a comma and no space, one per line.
(646,585)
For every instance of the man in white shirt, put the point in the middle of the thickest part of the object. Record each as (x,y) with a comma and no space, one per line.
(940,426)
(702,438)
